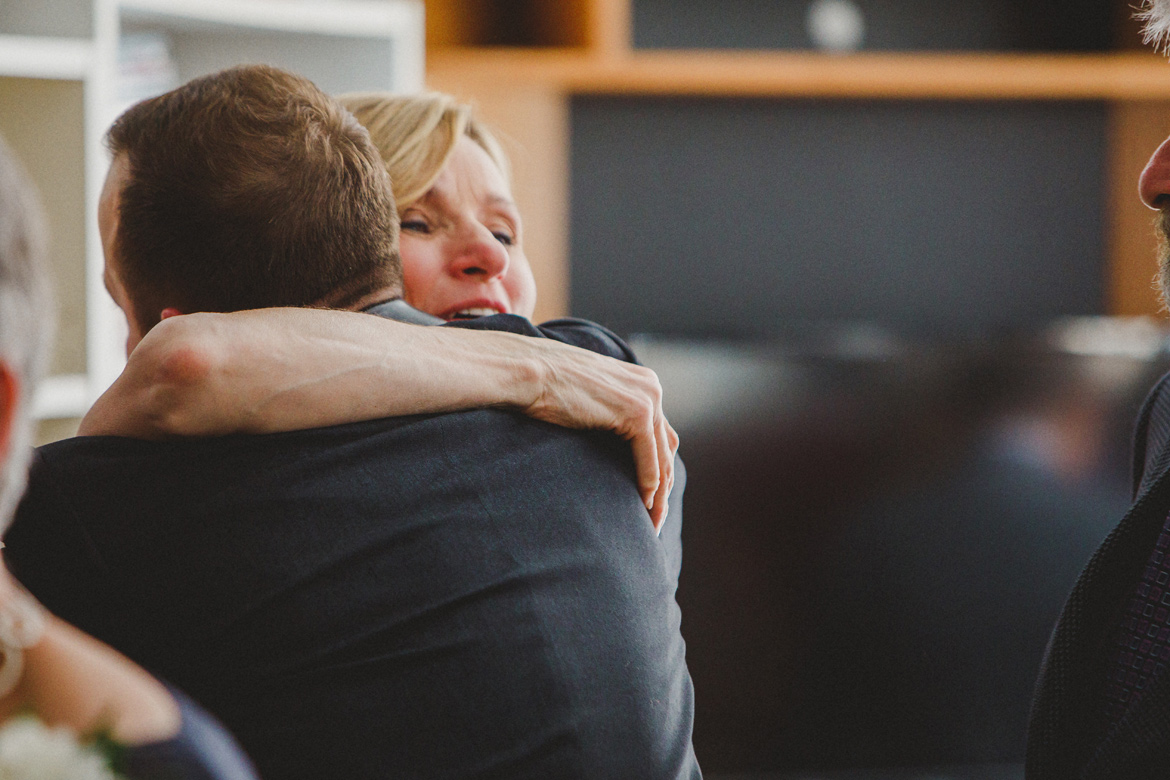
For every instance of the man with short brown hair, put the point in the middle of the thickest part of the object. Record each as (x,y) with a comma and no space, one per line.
(248,189)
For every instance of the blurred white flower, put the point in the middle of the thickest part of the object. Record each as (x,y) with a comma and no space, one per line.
(30,750)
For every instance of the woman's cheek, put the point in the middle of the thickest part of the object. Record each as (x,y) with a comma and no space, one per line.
(522,287)
(419,270)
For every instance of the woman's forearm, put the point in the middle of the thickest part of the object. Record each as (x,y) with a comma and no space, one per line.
(286,369)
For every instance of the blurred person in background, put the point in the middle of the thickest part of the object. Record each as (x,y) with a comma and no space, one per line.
(60,674)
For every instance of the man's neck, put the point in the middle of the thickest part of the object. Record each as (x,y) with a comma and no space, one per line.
(366,300)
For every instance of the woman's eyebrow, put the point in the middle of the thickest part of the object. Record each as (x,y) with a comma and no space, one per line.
(501,200)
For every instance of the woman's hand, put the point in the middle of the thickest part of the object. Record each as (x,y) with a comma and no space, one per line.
(585,390)
(286,369)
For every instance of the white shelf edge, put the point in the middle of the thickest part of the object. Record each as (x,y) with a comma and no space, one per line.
(355,18)
(31,56)
(93,61)
(61,396)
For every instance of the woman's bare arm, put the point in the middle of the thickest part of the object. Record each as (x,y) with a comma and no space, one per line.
(70,679)
(286,369)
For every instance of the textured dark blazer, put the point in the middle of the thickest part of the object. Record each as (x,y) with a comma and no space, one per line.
(1063,738)
(464,595)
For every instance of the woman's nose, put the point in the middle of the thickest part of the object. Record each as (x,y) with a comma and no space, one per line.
(1154,184)
(479,253)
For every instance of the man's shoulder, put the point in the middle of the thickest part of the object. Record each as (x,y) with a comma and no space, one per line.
(64,448)
(569,330)
(104,467)
(67,460)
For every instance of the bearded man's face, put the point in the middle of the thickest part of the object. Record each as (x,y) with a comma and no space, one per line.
(1155,15)
(1163,226)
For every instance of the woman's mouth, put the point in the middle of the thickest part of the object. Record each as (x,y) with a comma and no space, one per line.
(471,312)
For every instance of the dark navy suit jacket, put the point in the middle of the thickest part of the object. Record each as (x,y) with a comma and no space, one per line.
(464,595)
(1064,739)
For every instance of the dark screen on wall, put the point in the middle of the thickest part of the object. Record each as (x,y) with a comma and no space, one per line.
(746,218)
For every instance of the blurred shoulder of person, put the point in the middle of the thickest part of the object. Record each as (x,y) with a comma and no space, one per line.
(51,671)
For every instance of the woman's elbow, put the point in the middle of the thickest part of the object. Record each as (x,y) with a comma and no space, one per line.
(175,372)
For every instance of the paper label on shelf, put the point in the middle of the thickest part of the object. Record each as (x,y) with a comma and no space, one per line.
(145,66)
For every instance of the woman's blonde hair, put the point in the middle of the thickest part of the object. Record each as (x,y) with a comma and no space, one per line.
(416,135)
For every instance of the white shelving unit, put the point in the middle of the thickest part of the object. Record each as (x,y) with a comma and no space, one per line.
(61,87)
(27,56)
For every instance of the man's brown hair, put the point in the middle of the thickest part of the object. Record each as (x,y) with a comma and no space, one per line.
(250,188)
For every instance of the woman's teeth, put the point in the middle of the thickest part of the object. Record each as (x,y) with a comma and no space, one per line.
(474,312)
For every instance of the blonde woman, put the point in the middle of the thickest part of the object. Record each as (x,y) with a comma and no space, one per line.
(462,238)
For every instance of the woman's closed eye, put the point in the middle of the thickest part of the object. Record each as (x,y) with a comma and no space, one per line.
(415,225)
(504,237)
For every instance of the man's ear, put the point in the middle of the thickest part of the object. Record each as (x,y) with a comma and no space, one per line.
(9,396)
(169,312)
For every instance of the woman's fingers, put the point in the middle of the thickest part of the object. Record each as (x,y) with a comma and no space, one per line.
(586,390)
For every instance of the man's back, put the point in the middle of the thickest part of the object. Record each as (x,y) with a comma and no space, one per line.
(469,595)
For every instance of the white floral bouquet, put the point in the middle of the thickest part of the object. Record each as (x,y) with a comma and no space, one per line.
(30,750)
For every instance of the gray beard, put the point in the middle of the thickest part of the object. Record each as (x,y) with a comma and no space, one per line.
(1162,223)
